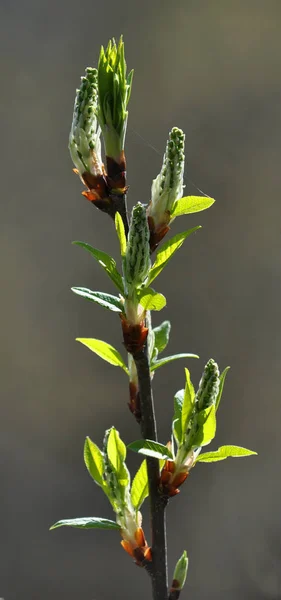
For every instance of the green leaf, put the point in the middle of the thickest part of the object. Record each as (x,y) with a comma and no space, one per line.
(222,380)
(139,489)
(206,421)
(177,428)
(163,361)
(105,351)
(87,523)
(116,452)
(119,226)
(166,252)
(105,300)
(151,300)
(224,452)
(94,461)
(188,403)
(107,262)
(162,334)
(151,448)
(116,449)
(191,204)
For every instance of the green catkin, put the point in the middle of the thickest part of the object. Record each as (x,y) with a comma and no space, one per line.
(84,139)
(209,385)
(167,188)
(137,258)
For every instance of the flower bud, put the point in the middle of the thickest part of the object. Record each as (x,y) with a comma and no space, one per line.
(137,258)
(167,188)
(209,385)
(84,139)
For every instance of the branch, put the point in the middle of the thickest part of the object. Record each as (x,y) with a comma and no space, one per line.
(174,594)
(119,204)
(158,504)
(116,179)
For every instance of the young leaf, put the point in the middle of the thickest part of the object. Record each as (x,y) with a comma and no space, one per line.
(105,351)
(107,263)
(177,418)
(191,204)
(166,252)
(119,226)
(116,452)
(188,403)
(163,361)
(94,461)
(87,523)
(151,300)
(151,448)
(162,334)
(105,300)
(206,421)
(139,489)
(222,380)
(224,452)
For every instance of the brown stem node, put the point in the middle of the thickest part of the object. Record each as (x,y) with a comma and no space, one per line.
(134,336)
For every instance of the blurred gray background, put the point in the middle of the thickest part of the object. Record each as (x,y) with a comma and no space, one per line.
(213,69)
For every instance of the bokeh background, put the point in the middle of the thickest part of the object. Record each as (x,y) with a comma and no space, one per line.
(213,69)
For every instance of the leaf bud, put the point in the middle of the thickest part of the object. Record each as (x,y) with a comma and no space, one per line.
(114,87)
(179,576)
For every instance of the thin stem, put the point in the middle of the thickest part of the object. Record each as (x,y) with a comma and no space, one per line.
(174,594)
(116,180)
(159,573)
(119,204)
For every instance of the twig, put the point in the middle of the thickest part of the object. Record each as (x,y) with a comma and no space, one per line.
(158,504)
(174,594)
(119,204)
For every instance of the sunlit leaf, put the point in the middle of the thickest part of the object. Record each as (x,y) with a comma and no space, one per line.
(222,380)
(151,300)
(225,452)
(162,333)
(94,461)
(177,418)
(116,449)
(116,452)
(151,448)
(105,351)
(206,420)
(167,251)
(139,489)
(107,263)
(163,361)
(191,204)
(105,300)
(87,523)
(119,225)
